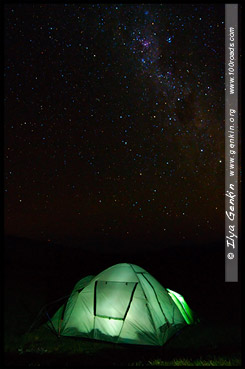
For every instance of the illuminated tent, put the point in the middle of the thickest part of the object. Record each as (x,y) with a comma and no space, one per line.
(122,304)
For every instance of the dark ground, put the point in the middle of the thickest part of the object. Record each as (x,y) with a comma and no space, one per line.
(37,274)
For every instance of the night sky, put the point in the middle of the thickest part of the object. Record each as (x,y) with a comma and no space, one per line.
(114,122)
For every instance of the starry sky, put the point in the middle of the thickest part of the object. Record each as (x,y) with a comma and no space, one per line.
(114,122)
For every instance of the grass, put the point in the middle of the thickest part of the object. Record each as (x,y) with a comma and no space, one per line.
(212,361)
(41,348)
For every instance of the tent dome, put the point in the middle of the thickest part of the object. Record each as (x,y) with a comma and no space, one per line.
(122,304)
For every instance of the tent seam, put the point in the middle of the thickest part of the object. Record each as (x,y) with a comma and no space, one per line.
(156,298)
(146,299)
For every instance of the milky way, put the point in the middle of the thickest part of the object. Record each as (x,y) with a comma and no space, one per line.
(114,121)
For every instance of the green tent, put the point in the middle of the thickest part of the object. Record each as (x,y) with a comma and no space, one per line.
(122,304)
